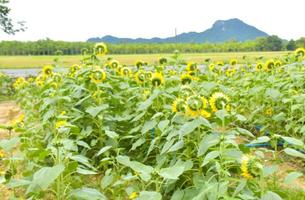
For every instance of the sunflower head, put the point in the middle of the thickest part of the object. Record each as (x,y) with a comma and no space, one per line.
(60,124)
(220,63)
(139,64)
(269,65)
(196,106)
(100,48)
(47,70)
(140,77)
(114,64)
(186,79)
(211,67)
(259,66)
(178,105)
(157,79)
(300,52)
(162,61)
(251,166)
(191,66)
(277,63)
(230,72)
(98,75)
(133,195)
(74,68)
(219,101)
(20,83)
(125,71)
(185,92)
(233,62)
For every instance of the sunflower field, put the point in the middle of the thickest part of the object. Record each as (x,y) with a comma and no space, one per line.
(172,132)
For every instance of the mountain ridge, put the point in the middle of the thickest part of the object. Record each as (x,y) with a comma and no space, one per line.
(221,31)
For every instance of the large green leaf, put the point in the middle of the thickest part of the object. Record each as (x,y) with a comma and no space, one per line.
(171,172)
(94,111)
(149,195)
(292,176)
(294,153)
(86,194)
(192,125)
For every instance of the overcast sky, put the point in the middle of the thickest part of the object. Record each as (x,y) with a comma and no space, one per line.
(78,20)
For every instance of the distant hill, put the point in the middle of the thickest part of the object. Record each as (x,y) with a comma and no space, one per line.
(221,31)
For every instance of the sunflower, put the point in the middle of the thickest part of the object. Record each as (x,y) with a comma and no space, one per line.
(100,48)
(178,105)
(133,195)
(196,105)
(259,66)
(219,101)
(98,75)
(186,79)
(114,64)
(40,80)
(278,63)
(2,154)
(162,61)
(230,72)
(125,71)
(191,66)
(220,63)
(47,70)
(269,111)
(157,79)
(233,62)
(185,92)
(300,52)
(250,167)
(140,77)
(139,64)
(211,67)
(269,65)
(60,124)
(74,68)
(20,83)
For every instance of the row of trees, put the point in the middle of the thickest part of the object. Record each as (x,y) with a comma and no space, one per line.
(50,47)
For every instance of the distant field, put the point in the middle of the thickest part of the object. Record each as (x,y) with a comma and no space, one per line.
(38,61)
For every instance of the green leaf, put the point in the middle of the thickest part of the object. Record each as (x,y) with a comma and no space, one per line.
(210,156)
(149,195)
(171,172)
(192,125)
(8,145)
(148,126)
(261,139)
(107,179)
(85,171)
(111,134)
(17,183)
(293,141)
(241,118)
(102,150)
(207,142)
(292,176)
(271,196)
(94,111)
(245,132)
(294,153)
(138,143)
(268,170)
(176,146)
(44,177)
(163,124)
(86,194)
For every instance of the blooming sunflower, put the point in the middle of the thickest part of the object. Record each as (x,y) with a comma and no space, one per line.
(269,111)
(300,52)
(233,62)
(133,195)
(162,61)
(277,63)
(259,66)
(74,68)
(220,63)
(100,48)
(157,79)
(114,64)
(186,79)
(191,66)
(139,64)
(40,80)
(125,71)
(211,67)
(250,167)
(185,92)
(140,77)
(230,72)
(219,101)
(178,105)
(20,83)
(269,65)
(196,105)
(98,75)
(2,154)
(47,70)
(60,124)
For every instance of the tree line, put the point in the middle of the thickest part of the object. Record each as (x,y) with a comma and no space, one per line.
(50,47)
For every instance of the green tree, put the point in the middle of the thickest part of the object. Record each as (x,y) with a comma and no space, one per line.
(6,23)
(291,45)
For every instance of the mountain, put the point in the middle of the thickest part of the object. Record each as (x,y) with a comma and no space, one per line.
(221,31)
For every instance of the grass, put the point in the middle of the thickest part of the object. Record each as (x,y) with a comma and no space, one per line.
(130,59)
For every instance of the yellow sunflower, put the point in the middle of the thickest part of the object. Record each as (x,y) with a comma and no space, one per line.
(139,64)
(178,105)
(196,106)
(157,79)
(47,70)
(277,63)
(211,67)
(230,72)
(185,92)
(191,66)
(20,83)
(114,64)
(98,75)
(219,101)
(133,195)
(250,167)
(300,52)
(233,62)
(126,71)
(74,68)
(100,48)
(60,124)
(269,65)
(186,79)
(140,77)
(259,66)
(162,61)
(40,80)
(220,63)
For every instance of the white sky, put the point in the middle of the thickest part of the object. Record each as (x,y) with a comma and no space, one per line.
(78,20)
